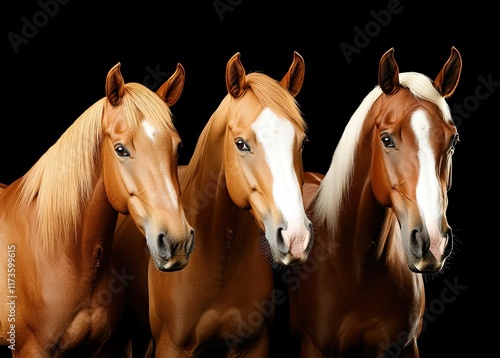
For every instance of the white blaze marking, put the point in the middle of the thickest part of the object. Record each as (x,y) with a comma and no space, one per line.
(173,198)
(277,136)
(151,132)
(428,190)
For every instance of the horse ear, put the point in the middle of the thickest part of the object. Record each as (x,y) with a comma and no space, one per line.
(388,73)
(294,78)
(171,90)
(115,86)
(447,79)
(235,76)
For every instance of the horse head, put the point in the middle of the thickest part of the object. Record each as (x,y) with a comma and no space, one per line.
(263,156)
(140,151)
(413,144)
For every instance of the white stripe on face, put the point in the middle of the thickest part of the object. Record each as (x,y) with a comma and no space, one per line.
(151,132)
(277,137)
(173,198)
(428,189)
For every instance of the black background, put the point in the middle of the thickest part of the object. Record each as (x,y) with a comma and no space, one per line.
(50,80)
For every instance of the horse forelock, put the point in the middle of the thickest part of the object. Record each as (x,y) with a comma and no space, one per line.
(140,102)
(273,95)
(421,86)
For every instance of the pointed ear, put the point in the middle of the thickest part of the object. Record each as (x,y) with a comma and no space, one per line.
(171,90)
(115,86)
(235,76)
(388,73)
(447,79)
(294,78)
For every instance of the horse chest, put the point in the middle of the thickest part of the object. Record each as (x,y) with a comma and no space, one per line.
(67,320)
(90,327)
(232,325)
(81,309)
(375,311)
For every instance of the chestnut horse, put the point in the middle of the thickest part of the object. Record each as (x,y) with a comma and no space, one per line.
(242,192)
(61,295)
(379,216)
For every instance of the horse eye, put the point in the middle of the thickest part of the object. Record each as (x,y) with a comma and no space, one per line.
(121,151)
(241,145)
(387,141)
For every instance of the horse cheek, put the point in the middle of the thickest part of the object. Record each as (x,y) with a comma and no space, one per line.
(380,183)
(115,188)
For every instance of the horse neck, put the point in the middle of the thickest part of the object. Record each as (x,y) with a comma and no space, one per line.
(97,227)
(87,248)
(205,197)
(365,228)
(94,236)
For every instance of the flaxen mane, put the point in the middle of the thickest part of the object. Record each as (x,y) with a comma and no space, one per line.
(337,179)
(61,181)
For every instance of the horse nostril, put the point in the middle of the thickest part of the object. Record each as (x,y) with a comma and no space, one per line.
(449,243)
(419,244)
(164,246)
(311,238)
(416,244)
(190,244)
(282,248)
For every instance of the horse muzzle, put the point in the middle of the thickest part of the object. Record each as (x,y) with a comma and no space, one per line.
(428,253)
(293,243)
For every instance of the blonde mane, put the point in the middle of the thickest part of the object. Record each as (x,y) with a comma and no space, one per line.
(269,92)
(335,184)
(61,182)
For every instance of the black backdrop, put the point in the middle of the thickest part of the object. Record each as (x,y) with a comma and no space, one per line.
(56,54)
